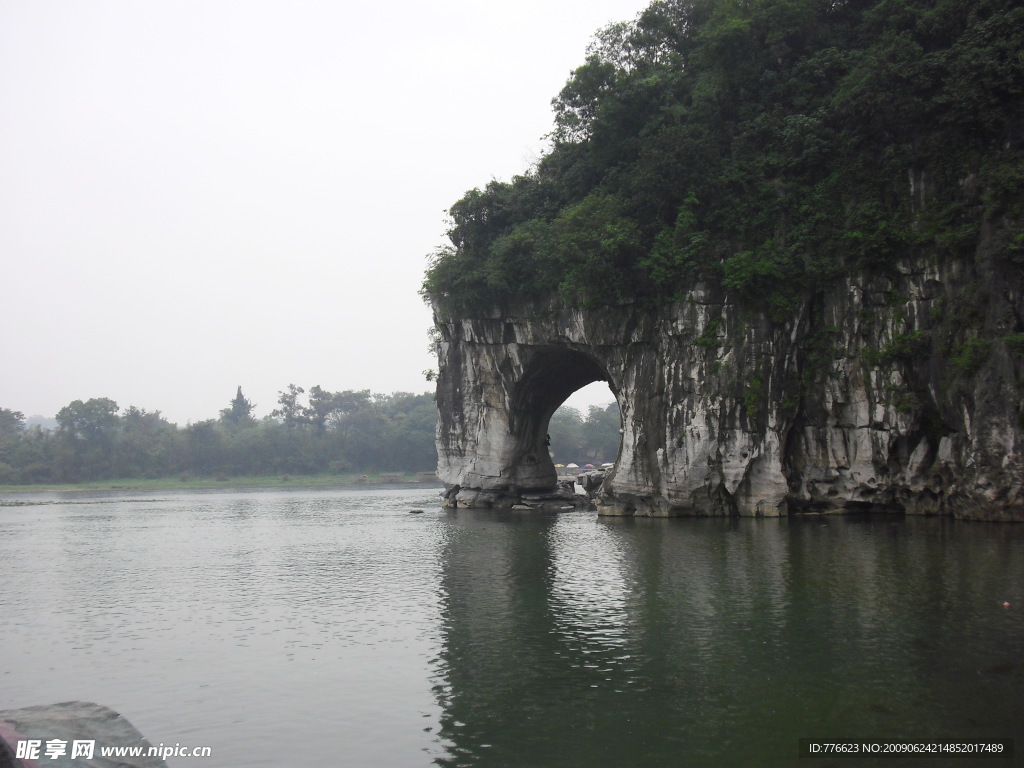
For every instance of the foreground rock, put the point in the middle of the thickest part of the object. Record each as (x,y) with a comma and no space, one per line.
(901,392)
(69,722)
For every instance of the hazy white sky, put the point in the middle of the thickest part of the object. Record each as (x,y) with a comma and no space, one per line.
(201,194)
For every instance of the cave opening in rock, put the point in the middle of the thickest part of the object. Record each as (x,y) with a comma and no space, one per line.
(586,430)
(543,438)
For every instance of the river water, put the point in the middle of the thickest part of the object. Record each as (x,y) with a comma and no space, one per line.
(334,628)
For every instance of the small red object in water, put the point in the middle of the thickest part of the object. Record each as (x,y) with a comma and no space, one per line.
(1006,604)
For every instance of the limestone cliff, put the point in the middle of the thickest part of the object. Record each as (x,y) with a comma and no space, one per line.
(901,392)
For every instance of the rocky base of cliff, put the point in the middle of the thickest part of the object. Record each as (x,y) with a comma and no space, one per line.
(563,498)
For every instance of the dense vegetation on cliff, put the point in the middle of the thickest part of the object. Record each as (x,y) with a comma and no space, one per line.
(762,145)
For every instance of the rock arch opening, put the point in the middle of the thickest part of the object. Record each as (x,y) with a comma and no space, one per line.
(551,377)
(586,429)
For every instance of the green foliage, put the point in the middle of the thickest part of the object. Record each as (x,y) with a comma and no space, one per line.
(593,439)
(763,146)
(85,436)
(329,431)
(239,412)
(93,419)
(971,355)
(709,339)
(753,394)
(904,347)
(12,424)
(907,402)
(1015,343)
(594,245)
(290,412)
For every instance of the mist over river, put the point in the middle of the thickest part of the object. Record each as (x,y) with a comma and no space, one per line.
(334,628)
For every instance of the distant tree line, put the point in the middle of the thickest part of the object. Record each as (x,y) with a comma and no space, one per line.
(309,433)
(591,439)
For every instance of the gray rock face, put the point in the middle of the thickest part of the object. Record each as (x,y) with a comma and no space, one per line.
(68,722)
(897,392)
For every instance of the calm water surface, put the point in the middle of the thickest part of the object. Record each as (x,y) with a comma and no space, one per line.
(333,628)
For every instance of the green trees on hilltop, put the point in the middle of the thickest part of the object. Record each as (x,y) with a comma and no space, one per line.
(328,432)
(765,146)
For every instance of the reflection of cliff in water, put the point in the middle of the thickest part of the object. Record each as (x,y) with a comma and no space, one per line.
(570,641)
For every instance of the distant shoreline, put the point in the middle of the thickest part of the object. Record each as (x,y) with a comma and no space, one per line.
(241,482)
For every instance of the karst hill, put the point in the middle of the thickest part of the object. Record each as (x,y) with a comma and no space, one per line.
(790,236)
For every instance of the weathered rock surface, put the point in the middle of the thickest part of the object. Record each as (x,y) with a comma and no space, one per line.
(901,392)
(591,482)
(70,721)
